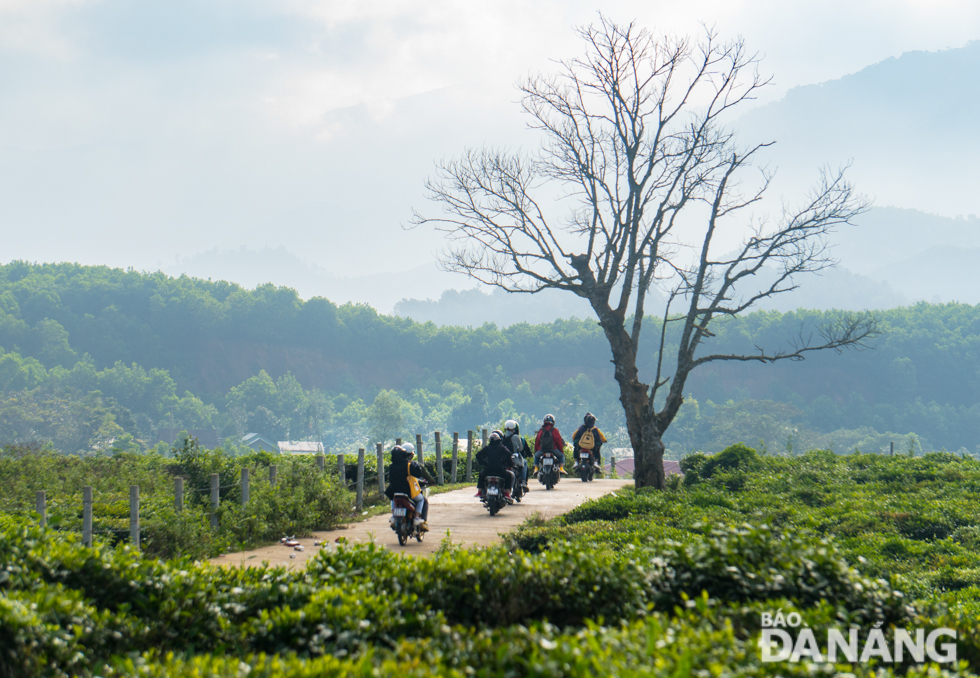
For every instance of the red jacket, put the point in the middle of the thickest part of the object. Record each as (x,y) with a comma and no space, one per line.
(559,443)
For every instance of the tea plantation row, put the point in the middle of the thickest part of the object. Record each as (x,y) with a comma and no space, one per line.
(649,583)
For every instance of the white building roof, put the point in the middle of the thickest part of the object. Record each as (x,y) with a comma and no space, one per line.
(297,447)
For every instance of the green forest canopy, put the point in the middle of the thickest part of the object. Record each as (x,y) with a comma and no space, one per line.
(93,357)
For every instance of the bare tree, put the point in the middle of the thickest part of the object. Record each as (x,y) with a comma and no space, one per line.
(645,176)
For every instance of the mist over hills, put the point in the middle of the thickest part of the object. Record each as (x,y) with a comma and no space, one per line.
(908,124)
(892,257)
(281,267)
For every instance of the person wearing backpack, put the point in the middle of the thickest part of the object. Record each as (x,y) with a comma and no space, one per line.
(588,437)
(548,439)
(401,471)
(515,443)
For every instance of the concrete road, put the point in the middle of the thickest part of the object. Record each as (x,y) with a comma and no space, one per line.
(463,515)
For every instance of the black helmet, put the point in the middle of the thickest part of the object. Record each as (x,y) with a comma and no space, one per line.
(496,436)
(589,419)
(549,419)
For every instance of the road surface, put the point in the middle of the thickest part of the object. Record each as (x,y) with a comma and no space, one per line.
(463,515)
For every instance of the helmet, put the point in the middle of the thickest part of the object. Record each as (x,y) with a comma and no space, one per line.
(549,419)
(409,449)
(397,449)
(496,436)
(511,425)
(589,419)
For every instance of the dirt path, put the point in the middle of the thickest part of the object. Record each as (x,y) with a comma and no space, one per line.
(459,511)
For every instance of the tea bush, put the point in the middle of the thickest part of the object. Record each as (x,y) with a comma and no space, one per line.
(303,500)
(635,583)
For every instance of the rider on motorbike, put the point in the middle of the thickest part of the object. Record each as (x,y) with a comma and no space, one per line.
(515,443)
(399,469)
(597,437)
(552,442)
(496,460)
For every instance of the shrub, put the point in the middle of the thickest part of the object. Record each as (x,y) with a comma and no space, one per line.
(51,631)
(737,457)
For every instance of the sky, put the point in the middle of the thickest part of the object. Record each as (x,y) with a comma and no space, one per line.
(145,133)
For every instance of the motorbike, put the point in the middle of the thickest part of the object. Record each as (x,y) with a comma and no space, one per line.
(586,466)
(520,489)
(403,518)
(493,495)
(548,474)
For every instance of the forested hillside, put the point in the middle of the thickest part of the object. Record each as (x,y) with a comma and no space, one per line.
(96,357)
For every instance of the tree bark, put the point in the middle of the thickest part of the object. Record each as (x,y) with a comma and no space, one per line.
(641,417)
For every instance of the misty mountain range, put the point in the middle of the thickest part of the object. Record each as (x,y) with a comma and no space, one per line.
(906,124)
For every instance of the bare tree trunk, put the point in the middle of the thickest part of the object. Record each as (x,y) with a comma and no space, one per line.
(649,459)
(641,416)
(645,437)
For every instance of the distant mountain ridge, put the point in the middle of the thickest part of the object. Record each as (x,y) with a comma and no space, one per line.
(907,123)
(250,268)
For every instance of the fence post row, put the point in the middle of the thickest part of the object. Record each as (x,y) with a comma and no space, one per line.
(455,455)
(360,480)
(439,476)
(87,515)
(42,507)
(484,437)
(214,501)
(469,455)
(245,488)
(134,515)
(179,494)
(134,491)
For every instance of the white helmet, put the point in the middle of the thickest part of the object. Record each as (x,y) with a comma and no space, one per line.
(511,425)
(409,449)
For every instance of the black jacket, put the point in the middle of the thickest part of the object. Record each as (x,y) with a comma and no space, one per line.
(398,476)
(495,458)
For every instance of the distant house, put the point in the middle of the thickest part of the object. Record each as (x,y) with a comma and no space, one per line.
(259,442)
(206,437)
(297,447)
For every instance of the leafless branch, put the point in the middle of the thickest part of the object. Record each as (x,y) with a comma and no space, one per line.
(632,142)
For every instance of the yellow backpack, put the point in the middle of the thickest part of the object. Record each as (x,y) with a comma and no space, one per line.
(587,441)
(414,489)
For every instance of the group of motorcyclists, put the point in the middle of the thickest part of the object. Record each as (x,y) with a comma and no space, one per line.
(503,456)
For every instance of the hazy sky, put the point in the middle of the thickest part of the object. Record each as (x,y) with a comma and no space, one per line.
(132,133)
